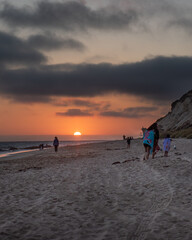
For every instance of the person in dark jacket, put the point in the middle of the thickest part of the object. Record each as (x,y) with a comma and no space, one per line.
(128,142)
(56,144)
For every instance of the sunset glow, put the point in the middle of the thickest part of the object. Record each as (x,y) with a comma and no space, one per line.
(77,134)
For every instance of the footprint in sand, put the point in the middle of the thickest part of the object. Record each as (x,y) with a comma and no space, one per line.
(162,197)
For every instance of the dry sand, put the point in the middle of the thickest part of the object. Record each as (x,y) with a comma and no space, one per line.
(78,193)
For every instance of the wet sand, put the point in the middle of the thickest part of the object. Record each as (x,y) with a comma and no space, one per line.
(97,191)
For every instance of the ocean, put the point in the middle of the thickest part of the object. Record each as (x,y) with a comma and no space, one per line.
(19,144)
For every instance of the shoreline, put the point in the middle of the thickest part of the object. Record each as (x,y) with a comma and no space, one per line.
(7,153)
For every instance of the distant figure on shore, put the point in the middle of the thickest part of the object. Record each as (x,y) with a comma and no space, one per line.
(124,137)
(41,146)
(128,142)
(56,144)
(166,145)
(150,140)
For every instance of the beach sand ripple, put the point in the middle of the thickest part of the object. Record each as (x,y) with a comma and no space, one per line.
(79,193)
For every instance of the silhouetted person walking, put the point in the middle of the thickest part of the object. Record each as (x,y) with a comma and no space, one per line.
(128,142)
(56,144)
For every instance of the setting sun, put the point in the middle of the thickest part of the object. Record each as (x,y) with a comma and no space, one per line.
(77,134)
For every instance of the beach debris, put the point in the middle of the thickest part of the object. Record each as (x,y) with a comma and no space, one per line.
(177,153)
(128,160)
(116,163)
(26,169)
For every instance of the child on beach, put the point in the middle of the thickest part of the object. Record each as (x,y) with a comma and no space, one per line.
(166,145)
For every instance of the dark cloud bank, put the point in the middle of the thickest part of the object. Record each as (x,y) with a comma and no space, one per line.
(132,112)
(75,113)
(158,79)
(81,103)
(16,51)
(67,16)
(136,112)
(50,42)
(73,15)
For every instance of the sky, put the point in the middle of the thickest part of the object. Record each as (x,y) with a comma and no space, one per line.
(105,67)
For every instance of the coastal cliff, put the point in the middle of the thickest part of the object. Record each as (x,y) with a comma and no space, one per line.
(178,122)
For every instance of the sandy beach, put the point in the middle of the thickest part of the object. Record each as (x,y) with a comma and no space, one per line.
(96,192)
